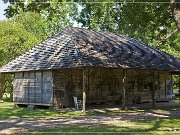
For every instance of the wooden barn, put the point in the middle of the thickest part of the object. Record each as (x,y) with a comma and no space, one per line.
(96,67)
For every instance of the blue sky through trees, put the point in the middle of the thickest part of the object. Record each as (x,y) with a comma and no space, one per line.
(2,7)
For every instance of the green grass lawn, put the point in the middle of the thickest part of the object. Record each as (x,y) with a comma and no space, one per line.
(154,126)
(7,111)
(158,126)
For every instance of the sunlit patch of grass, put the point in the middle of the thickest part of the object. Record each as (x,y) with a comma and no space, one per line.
(38,113)
(166,108)
(7,111)
(130,110)
(6,105)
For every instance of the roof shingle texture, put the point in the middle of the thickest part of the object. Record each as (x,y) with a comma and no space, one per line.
(78,47)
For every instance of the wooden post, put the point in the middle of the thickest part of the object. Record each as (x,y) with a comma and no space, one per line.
(84,92)
(101,81)
(153,91)
(42,83)
(124,88)
(179,84)
(88,88)
(179,88)
(172,89)
(159,92)
(53,90)
(133,85)
(1,86)
(165,86)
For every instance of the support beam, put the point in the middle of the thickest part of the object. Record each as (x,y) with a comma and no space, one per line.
(172,89)
(165,86)
(159,93)
(84,91)
(53,89)
(153,91)
(124,88)
(84,101)
(1,86)
(179,84)
(133,85)
(101,81)
(88,88)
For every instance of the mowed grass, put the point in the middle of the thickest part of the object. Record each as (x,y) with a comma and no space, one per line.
(158,126)
(152,126)
(7,111)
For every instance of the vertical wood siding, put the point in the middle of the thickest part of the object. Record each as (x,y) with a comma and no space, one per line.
(33,87)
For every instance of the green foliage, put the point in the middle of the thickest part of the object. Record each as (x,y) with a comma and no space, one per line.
(14,41)
(55,14)
(148,22)
(38,113)
(172,46)
(33,23)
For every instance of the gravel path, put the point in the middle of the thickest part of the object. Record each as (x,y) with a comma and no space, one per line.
(14,125)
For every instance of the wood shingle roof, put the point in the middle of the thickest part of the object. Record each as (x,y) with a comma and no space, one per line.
(78,47)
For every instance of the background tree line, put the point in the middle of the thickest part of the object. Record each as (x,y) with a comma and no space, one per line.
(31,21)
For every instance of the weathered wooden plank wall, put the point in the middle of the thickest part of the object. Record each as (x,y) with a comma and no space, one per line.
(33,87)
(105,86)
(102,86)
(67,83)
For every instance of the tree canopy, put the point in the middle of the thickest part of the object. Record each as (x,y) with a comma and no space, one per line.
(56,15)
(14,41)
(152,22)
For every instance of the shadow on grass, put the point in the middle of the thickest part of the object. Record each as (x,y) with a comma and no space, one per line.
(146,127)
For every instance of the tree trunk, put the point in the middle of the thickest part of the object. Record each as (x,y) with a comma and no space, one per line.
(175,8)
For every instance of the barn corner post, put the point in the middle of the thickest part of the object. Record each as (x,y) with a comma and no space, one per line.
(84,91)
(124,88)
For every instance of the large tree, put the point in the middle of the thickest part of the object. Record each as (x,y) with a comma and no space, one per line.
(175,7)
(151,22)
(56,14)
(15,40)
